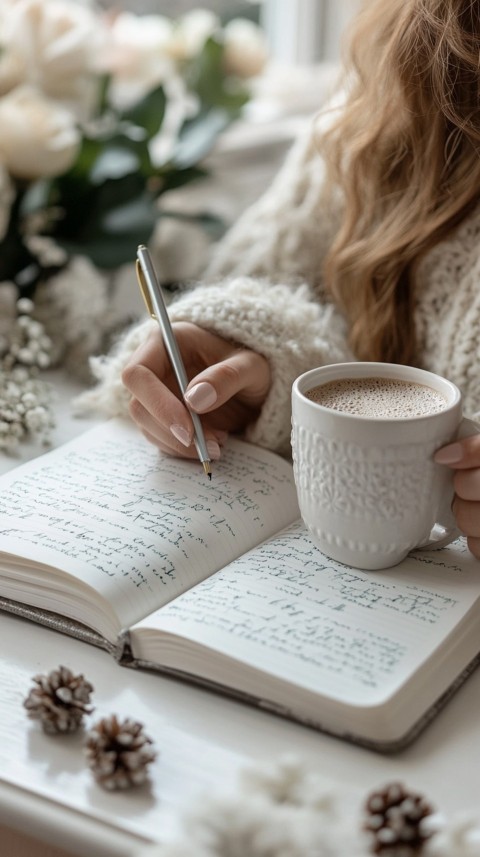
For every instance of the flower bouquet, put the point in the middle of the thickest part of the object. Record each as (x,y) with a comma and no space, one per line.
(101,114)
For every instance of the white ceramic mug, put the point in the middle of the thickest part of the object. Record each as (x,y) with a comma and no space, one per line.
(368,488)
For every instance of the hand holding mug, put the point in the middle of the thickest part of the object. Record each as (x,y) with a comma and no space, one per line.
(463,456)
(368,486)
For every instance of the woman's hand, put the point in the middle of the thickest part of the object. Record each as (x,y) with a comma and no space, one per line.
(229,385)
(463,456)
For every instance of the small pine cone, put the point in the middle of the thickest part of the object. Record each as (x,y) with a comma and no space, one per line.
(59,700)
(394,821)
(118,753)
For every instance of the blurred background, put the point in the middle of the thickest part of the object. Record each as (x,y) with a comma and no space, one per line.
(299,31)
(135,121)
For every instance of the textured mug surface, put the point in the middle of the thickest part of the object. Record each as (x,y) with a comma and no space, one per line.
(368,488)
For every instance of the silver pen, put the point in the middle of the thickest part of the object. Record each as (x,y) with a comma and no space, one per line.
(152,295)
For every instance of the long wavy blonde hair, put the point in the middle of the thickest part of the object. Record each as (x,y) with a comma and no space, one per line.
(405,153)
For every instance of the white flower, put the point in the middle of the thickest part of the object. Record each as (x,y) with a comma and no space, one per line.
(245,52)
(38,137)
(52,44)
(47,252)
(79,293)
(254,827)
(75,310)
(288,780)
(190,33)
(280,810)
(136,55)
(458,837)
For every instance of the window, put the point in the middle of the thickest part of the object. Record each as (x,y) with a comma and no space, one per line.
(299,32)
(225,9)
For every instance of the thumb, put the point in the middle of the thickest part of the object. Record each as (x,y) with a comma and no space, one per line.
(243,373)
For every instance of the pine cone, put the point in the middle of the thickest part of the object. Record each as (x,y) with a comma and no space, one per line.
(118,753)
(395,821)
(59,700)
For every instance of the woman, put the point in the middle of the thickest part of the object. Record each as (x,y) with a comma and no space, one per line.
(365,247)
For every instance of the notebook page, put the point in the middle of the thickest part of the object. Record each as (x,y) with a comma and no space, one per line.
(137,526)
(302,617)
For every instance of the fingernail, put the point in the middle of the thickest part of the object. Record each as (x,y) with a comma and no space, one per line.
(451,454)
(201,397)
(181,434)
(213,450)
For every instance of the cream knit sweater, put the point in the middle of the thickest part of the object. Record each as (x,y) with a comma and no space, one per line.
(262,290)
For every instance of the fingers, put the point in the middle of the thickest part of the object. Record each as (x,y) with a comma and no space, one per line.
(460,454)
(474,546)
(243,373)
(467,516)
(467,484)
(172,439)
(229,385)
(158,412)
(464,457)
(156,407)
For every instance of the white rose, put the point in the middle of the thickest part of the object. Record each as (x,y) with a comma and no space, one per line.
(12,66)
(38,138)
(136,55)
(52,44)
(190,33)
(245,51)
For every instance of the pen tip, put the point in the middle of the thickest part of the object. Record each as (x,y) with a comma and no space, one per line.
(206,467)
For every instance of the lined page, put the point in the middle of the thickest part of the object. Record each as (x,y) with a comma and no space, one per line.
(290,611)
(137,526)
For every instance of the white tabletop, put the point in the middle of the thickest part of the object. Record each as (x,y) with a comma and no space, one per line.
(202,739)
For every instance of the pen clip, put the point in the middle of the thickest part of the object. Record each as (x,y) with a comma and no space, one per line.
(144,289)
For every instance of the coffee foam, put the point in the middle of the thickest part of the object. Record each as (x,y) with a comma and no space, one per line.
(387,398)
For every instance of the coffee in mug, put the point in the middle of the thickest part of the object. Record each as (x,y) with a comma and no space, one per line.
(363,442)
(378,398)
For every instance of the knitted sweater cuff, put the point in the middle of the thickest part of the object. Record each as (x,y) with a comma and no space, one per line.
(281,322)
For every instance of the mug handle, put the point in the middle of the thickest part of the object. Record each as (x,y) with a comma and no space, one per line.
(445,530)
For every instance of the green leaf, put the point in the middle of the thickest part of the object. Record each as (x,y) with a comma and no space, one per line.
(141,212)
(114,162)
(206,77)
(148,113)
(178,177)
(140,149)
(90,150)
(109,224)
(36,197)
(198,135)
(102,94)
(108,252)
(83,219)
(212,224)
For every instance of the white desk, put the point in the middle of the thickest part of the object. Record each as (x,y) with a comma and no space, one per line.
(202,738)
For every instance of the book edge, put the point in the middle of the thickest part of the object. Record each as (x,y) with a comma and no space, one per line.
(122,652)
(390,746)
(57,622)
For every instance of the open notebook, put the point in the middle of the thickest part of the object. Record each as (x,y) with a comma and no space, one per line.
(218,582)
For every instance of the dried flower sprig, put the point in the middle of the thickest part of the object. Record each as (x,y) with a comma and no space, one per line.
(25,399)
